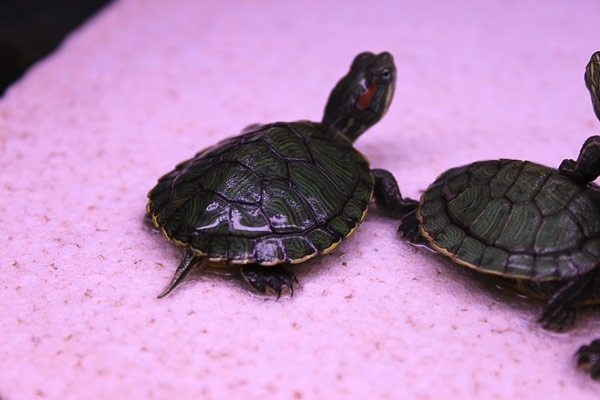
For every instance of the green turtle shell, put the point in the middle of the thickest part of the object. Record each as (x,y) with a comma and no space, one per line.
(283,192)
(513,218)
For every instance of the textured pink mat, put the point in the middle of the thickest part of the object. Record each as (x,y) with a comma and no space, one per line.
(146,84)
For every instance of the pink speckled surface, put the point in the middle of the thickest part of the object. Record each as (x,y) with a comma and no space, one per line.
(146,84)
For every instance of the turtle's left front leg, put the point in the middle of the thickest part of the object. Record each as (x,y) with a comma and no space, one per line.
(562,307)
(587,167)
(388,197)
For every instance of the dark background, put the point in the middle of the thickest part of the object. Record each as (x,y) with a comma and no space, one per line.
(32,29)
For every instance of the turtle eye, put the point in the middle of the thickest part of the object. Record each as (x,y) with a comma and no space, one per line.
(385,74)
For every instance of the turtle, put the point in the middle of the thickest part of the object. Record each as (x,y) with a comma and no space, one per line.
(280,193)
(536,228)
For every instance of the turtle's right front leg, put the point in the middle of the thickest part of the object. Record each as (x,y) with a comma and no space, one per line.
(409,228)
(588,358)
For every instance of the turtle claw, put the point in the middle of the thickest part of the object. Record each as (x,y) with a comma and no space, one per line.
(557,319)
(559,314)
(588,359)
(409,228)
(265,280)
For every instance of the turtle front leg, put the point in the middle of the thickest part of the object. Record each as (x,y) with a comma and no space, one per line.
(388,197)
(561,310)
(587,167)
(588,359)
(409,228)
(265,279)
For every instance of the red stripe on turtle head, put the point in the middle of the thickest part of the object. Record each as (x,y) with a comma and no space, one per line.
(364,101)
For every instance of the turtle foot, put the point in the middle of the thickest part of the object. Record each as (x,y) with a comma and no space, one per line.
(557,319)
(266,280)
(588,359)
(562,307)
(388,197)
(409,228)
(587,166)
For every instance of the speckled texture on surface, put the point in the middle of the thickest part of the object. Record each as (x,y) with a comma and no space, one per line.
(146,84)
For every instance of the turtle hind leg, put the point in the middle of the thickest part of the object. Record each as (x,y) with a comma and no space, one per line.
(388,197)
(561,310)
(267,279)
(587,167)
(188,260)
(588,359)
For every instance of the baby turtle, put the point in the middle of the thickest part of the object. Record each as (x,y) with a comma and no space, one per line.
(535,226)
(280,193)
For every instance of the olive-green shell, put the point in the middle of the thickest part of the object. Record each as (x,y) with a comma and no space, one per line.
(513,218)
(284,192)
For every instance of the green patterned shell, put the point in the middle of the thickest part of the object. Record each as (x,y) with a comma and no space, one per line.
(283,192)
(513,218)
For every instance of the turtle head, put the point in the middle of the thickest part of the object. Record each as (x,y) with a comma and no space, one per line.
(592,81)
(363,96)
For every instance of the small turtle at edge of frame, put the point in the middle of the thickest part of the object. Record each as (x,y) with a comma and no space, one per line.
(281,193)
(535,227)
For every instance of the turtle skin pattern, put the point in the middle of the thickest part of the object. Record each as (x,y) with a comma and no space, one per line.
(282,193)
